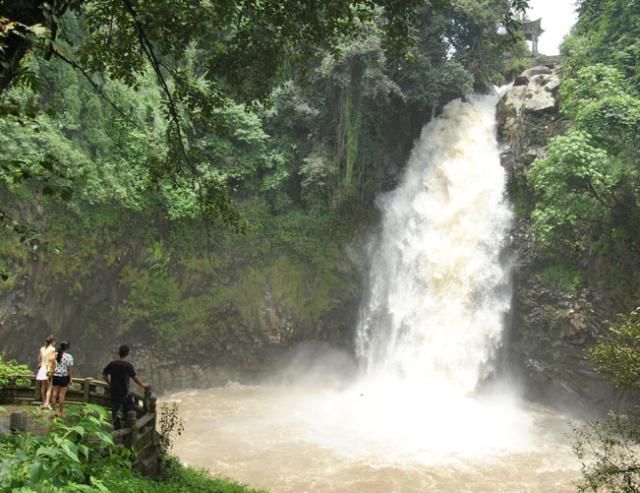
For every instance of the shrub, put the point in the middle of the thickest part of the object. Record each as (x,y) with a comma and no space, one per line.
(9,370)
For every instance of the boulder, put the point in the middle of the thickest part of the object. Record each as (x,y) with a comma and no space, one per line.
(537,70)
(534,94)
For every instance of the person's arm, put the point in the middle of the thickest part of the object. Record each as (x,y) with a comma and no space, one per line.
(106,374)
(145,386)
(39,359)
(69,367)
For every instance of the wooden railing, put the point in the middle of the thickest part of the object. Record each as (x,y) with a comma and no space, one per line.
(139,430)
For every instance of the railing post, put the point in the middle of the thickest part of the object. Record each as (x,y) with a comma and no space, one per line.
(130,422)
(85,390)
(19,422)
(149,401)
(152,407)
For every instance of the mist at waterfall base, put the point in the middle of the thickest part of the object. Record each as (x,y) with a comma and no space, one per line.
(414,414)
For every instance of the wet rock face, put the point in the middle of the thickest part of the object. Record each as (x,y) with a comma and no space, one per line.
(237,346)
(550,330)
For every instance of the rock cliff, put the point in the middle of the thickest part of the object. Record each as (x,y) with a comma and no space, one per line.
(230,323)
(550,327)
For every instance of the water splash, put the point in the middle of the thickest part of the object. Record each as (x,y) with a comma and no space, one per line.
(437,297)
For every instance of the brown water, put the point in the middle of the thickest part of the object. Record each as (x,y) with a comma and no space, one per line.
(313,439)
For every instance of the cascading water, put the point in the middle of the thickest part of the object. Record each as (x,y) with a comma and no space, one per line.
(428,333)
(437,294)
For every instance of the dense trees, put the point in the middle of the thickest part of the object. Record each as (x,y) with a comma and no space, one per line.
(594,165)
(212,67)
(587,212)
(607,31)
(238,47)
(301,117)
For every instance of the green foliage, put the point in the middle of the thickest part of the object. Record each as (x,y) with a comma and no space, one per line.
(591,83)
(482,34)
(607,451)
(618,356)
(573,183)
(175,479)
(565,277)
(10,370)
(586,208)
(587,188)
(607,31)
(79,455)
(168,83)
(601,102)
(613,121)
(67,456)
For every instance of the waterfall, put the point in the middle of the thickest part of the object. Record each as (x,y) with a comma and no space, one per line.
(438,291)
(428,333)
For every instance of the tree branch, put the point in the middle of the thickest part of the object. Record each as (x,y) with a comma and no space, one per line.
(155,63)
(96,87)
(596,194)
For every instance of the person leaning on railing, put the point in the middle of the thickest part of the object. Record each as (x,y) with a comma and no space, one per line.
(118,374)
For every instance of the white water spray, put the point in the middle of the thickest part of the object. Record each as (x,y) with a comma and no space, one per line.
(437,297)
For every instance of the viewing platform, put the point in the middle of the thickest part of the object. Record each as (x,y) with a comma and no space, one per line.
(139,430)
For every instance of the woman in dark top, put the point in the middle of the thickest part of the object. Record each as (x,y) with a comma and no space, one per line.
(61,376)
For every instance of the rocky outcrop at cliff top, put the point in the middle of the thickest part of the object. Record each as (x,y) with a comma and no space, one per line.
(528,116)
(550,328)
(535,91)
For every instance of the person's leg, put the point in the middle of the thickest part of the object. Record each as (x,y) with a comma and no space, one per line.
(54,395)
(115,413)
(48,396)
(43,390)
(63,392)
(129,403)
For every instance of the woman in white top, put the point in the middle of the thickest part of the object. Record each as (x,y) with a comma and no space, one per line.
(45,369)
(61,376)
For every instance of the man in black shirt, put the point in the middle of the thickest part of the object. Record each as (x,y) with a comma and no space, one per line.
(117,374)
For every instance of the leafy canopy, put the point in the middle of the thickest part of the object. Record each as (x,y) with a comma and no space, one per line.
(587,186)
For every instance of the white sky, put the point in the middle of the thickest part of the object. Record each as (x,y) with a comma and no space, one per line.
(557,18)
